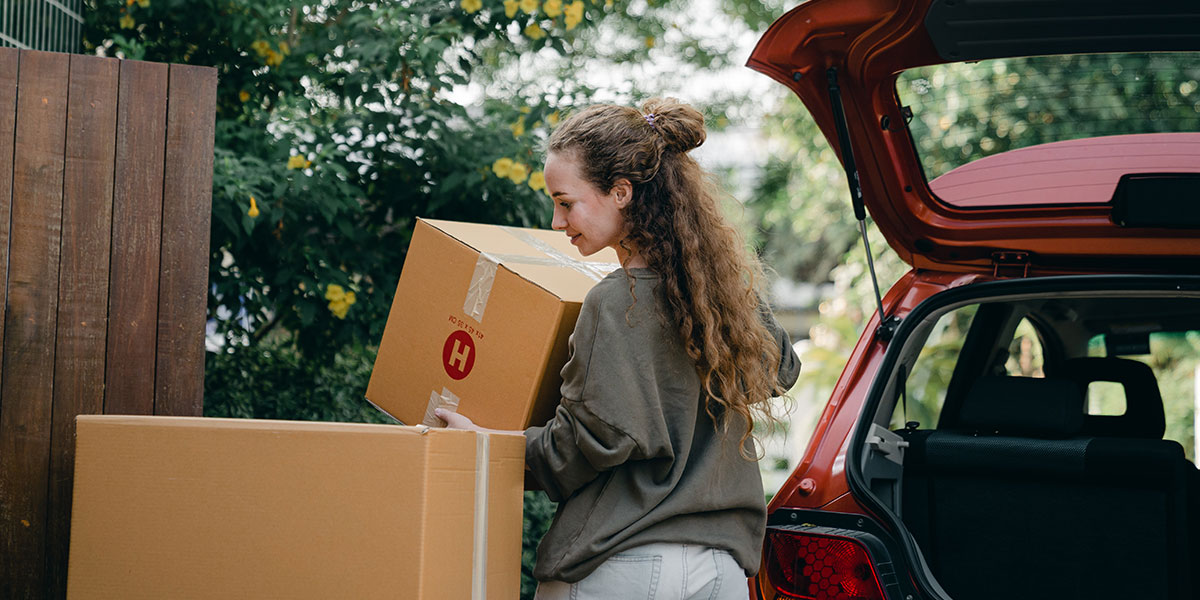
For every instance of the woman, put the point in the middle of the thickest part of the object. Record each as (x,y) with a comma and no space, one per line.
(649,454)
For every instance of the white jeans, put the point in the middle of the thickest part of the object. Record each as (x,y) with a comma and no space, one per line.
(655,572)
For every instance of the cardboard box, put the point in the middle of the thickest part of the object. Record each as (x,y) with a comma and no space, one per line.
(480,324)
(176,507)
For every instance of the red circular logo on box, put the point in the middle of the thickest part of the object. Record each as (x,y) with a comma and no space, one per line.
(458,354)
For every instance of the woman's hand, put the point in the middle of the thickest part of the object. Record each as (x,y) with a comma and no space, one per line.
(456,421)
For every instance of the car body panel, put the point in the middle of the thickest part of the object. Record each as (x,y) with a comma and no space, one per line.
(823,462)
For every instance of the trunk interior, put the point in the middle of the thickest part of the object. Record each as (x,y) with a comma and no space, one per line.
(1038,439)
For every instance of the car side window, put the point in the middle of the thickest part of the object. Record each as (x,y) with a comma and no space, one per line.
(930,375)
(1025,356)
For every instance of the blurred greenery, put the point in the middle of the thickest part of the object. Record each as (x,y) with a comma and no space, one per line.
(539,510)
(965,111)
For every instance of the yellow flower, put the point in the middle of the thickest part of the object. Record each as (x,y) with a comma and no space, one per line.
(339,300)
(284,48)
(552,8)
(649,41)
(552,118)
(510,8)
(574,14)
(524,110)
(518,173)
(144,3)
(274,59)
(502,167)
(296,161)
(471,6)
(529,6)
(129,2)
(537,180)
(608,3)
(518,128)
(260,47)
(339,309)
(127,22)
(253,212)
(534,32)
(243,95)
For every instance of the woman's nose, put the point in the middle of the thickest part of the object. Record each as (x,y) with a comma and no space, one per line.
(559,221)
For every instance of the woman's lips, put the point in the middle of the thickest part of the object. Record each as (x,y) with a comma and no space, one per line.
(575,238)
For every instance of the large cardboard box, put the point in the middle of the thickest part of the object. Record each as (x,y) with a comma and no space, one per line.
(480,323)
(176,507)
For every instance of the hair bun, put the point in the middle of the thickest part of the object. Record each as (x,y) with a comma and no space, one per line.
(680,125)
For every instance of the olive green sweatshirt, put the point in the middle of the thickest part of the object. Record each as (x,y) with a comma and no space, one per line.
(631,455)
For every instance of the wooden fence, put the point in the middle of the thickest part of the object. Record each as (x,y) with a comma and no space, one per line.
(105,198)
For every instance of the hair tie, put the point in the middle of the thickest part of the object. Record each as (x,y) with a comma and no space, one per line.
(650,119)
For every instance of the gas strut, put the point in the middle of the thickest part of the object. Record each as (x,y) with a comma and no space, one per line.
(887,325)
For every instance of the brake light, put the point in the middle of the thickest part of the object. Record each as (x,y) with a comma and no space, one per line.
(805,566)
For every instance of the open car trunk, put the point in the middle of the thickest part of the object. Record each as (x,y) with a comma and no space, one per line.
(1029,437)
(1033,438)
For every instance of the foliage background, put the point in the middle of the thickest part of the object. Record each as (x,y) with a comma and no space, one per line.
(339,122)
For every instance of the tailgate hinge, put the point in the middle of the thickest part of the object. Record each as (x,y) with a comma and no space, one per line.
(1010,264)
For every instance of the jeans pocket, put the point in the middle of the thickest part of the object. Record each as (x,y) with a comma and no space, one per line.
(621,576)
(730,580)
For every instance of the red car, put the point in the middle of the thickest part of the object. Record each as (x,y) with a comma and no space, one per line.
(1018,419)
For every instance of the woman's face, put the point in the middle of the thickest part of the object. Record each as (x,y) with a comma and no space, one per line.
(590,217)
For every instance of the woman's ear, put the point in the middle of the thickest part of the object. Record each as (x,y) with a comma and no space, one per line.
(622,192)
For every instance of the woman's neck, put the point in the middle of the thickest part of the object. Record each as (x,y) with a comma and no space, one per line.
(629,259)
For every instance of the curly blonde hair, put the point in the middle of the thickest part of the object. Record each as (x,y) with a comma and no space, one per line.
(710,282)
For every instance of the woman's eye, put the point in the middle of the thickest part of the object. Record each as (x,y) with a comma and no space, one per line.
(565,204)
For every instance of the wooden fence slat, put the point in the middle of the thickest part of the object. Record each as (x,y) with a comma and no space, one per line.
(183,287)
(83,287)
(8,126)
(137,230)
(27,385)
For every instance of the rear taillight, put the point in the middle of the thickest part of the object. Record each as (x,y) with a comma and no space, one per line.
(803,565)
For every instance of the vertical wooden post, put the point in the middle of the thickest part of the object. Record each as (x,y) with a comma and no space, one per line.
(83,286)
(137,230)
(27,384)
(187,212)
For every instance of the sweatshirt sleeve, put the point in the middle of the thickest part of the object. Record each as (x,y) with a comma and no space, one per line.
(593,428)
(789,362)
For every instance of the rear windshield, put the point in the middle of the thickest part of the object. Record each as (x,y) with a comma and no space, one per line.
(1145,108)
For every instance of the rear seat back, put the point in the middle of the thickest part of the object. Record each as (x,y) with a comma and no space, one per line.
(1016,503)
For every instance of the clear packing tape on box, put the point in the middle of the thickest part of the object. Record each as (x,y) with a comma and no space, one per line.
(485,269)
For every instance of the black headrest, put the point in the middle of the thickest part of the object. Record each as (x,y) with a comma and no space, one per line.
(1143,416)
(1023,407)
